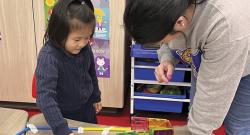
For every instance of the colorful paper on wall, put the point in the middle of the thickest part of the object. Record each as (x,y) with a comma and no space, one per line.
(101,38)
(102,19)
(48,5)
(100,46)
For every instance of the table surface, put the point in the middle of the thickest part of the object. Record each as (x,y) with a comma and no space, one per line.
(12,121)
(39,120)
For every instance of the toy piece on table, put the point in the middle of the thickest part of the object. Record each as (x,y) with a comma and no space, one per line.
(116,129)
(139,123)
(143,133)
(162,131)
(127,133)
(135,133)
(77,129)
(158,123)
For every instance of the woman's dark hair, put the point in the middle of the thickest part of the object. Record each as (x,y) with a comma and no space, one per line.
(68,15)
(149,21)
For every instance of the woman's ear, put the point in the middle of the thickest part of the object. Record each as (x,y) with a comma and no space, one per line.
(181,24)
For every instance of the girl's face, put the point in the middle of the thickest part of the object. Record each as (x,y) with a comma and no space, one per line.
(77,39)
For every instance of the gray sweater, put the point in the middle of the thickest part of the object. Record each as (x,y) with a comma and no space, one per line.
(64,83)
(219,42)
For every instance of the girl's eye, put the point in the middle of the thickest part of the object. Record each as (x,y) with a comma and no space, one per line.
(77,40)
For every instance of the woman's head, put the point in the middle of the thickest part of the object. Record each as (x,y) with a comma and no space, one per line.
(150,21)
(71,17)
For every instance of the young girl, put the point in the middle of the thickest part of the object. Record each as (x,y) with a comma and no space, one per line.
(213,36)
(67,85)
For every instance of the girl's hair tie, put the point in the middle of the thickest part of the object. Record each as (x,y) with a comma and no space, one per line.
(83,2)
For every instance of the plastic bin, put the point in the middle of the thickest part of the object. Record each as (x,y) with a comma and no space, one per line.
(148,73)
(138,51)
(157,105)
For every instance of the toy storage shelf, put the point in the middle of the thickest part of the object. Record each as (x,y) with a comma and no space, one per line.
(169,83)
(143,73)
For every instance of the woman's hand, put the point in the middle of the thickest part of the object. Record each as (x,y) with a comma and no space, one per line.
(164,71)
(98,107)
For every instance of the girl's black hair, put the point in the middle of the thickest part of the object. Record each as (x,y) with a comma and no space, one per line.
(66,16)
(149,21)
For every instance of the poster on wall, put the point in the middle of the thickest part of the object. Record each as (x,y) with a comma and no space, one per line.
(102,19)
(101,38)
(100,46)
(100,49)
(48,5)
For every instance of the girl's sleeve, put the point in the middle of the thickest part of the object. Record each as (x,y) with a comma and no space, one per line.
(46,82)
(96,95)
(221,69)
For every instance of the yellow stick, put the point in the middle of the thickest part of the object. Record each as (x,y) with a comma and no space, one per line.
(120,129)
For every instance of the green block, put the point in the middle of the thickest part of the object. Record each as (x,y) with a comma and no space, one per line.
(127,133)
(143,133)
(166,131)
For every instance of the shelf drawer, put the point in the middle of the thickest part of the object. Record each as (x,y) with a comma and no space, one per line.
(148,73)
(159,105)
(138,51)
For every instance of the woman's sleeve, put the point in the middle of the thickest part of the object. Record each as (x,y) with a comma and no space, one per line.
(164,53)
(221,69)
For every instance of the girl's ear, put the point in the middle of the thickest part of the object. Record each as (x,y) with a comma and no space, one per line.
(91,41)
(181,24)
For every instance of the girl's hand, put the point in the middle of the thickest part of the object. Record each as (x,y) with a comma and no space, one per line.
(98,107)
(71,134)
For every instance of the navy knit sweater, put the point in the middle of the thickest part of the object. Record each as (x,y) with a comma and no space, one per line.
(64,83)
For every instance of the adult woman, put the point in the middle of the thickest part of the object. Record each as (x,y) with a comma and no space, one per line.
(213,36)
